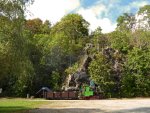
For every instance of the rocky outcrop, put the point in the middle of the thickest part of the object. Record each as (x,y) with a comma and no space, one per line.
(75,80)
(114,57)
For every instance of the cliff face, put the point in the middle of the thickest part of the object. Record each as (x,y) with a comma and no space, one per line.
(75,80)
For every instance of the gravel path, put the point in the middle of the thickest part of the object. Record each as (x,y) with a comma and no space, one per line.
(96,106)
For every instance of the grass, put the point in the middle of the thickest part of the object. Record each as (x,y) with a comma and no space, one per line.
(19,105)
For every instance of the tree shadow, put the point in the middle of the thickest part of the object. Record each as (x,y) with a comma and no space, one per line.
(135,110)
(68,110)
(88,110)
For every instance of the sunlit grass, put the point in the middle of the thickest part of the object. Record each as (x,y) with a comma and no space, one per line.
(19,105)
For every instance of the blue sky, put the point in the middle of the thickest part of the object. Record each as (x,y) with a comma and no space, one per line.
(101,13)
(116,7)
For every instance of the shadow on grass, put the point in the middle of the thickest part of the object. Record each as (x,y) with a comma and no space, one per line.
(13,109)
(88,110)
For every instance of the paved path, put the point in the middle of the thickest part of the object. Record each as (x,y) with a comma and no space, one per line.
(96,106)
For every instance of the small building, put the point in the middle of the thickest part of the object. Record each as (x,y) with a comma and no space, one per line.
(43,92)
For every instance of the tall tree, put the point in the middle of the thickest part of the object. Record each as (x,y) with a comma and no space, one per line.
(125,22)
(136,79)
(12,40)
(69,36)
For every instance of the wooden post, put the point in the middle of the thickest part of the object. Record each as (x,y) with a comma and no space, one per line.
(1,90)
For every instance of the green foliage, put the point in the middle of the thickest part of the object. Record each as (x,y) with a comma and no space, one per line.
(120,40)
(36,26)
(140,39)
(136,80)
(145,8)
(125,22)
(99,40)
(72,69)
(55,80)
(74,27)
(34,54)
(13,41)
(67,41)
(100,72)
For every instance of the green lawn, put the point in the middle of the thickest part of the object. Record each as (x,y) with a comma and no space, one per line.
(19,105)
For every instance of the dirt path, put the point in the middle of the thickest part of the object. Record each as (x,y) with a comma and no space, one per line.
(96,106)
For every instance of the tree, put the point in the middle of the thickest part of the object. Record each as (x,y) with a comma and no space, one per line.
(99,40)
(68,36)
(13,41)
(56,80)
(100,72)
(140,39)
(46,27)
(138,21)
(74,27)
(120,40)
(145,9)
(136,79)
(36,26)
(125,22)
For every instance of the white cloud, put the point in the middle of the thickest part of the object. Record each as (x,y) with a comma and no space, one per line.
(90,15)
(135,4)
(52,10)
(98,9)
(138,4)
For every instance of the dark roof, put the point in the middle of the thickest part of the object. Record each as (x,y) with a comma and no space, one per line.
(44,89)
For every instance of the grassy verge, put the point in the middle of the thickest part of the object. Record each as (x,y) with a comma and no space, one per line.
(19,105)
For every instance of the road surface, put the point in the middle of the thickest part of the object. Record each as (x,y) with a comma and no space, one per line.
(138,105)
